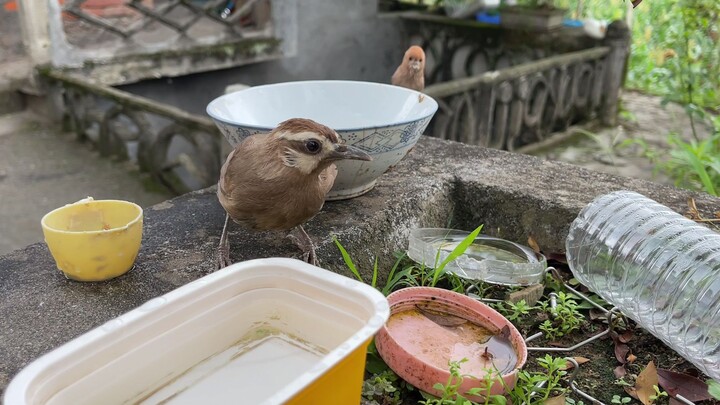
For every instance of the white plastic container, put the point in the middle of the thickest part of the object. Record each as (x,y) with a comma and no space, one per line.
(266,331)
(658,267)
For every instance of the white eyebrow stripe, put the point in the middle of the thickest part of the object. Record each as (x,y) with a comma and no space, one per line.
(300,136)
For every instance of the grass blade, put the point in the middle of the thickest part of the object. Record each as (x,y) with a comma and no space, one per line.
(700,170)
(375,273)
(391,282)
(348,260)
(457,252)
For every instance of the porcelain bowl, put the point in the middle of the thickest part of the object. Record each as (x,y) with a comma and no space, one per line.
(384,121)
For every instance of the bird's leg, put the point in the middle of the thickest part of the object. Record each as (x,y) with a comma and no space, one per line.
(306,245)
(223,252)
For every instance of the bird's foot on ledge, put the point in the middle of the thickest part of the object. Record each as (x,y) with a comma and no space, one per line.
(305,244)
(223,257)
(223,250)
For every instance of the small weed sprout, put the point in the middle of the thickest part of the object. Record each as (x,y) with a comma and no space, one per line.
(657,395)
(381,389)
(450,390)
(452,396)
(565,316)
(616,399)
(526,389)
(514,311)
(713,388)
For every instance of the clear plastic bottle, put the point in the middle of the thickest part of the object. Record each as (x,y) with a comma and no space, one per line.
(658,267)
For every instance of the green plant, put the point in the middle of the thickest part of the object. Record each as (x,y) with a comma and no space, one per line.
(565,316)
(513,311)
(691,164)
(534,388)
(450,390)
(458,251)
(623,383)
(413,275)
(393,281)
(658,394)
(452,396)
(381,389)
(714,388)
(547,4)
(675,50)
(617,399)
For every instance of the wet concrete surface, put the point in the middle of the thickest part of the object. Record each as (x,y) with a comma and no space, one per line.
(42,168)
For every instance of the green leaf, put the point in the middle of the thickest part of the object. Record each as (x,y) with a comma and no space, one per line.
(714,389)
(498,400)
(457,252)
(375,273)
(348,261)
(700,170)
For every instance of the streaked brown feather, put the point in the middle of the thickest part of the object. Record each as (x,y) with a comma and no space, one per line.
(259,191)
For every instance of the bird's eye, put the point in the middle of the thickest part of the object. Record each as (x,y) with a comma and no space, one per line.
(312,146)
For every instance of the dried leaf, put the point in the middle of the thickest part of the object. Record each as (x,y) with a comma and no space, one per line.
(645,382)
(533,244)
(688,386)
(693,212)
(558,257)
(631,358)
(580,360)
(621,352)
(558,400)
(625,336)
(505,332)
(441,318)
(620,371)
(631,391)
(621,349)
(596,314)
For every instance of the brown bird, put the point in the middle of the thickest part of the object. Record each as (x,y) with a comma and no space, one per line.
(278,181)
(411,72)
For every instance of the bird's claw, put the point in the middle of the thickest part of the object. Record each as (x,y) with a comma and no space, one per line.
(223,257)
(310,257)
(305,244)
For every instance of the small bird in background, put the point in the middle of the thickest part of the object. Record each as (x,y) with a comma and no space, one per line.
(278,181)
(411,72)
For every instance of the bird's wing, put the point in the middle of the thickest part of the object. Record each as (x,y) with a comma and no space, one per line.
(327,178)
(397,77)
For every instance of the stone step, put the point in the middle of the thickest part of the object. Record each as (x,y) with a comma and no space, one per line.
(11,101)
(14,79)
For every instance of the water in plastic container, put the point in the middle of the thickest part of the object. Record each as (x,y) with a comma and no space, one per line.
(489,259)
(658,267)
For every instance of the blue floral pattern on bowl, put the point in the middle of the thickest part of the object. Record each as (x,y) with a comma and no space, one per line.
(387,146)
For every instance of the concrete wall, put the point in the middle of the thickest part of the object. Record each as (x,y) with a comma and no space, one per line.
(336,39)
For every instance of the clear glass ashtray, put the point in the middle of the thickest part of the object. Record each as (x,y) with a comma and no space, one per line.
(493,260)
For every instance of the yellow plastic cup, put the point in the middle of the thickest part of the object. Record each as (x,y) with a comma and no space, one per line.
(94,240)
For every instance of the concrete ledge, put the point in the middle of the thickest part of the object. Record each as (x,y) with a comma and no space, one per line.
(441,182)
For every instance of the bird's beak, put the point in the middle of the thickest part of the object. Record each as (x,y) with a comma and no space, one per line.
(342,152)
(415,65)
